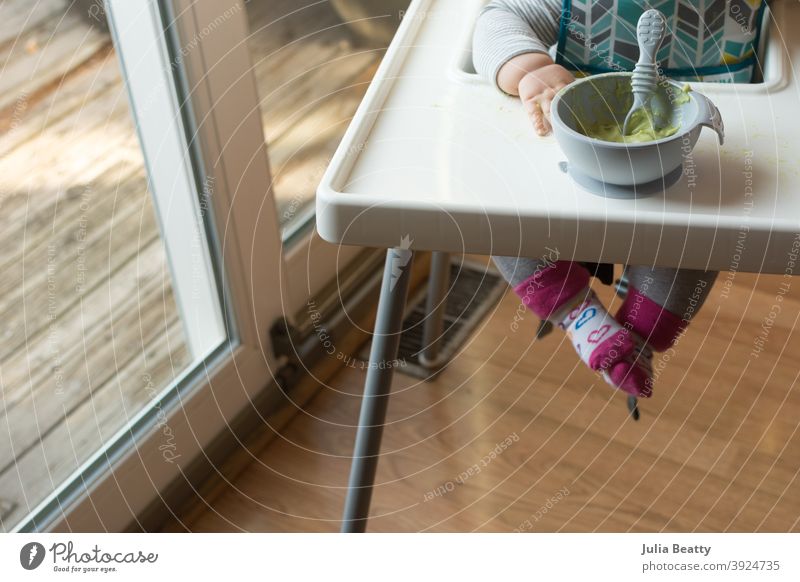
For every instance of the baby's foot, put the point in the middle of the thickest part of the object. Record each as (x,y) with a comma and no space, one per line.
(606,346)
(634,374)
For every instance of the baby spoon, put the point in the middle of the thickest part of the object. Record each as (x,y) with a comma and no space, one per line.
(650,34)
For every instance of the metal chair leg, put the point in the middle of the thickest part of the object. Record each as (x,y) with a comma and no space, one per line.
(633,407)
(544,329)
(385,343)
(434,311)
(621,286)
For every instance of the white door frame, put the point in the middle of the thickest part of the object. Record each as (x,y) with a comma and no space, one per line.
(310,264)
(173,177)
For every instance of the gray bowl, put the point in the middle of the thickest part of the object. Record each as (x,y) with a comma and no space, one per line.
(607,98)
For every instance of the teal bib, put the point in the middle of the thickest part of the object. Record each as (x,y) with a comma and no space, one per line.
(706,40)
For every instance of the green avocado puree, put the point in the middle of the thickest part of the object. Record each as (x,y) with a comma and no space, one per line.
(640,128)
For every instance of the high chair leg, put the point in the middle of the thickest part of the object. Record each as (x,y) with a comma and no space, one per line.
(434,311)
(621,285)
(633,407)
(544,329)
(385,343)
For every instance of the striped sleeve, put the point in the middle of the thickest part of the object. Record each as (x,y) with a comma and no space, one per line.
(509,28)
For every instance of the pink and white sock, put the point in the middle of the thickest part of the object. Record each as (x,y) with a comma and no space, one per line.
(605,346)
(551,294)
(658,326)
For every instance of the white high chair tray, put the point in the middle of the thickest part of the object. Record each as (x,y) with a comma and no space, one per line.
(439,158)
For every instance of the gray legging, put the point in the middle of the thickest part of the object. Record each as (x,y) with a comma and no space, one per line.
(680,291)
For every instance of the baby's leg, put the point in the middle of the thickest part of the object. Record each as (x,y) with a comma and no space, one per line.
(559,292)
(661,302)
(545,285)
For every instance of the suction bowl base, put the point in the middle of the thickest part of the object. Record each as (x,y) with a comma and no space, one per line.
(625,192)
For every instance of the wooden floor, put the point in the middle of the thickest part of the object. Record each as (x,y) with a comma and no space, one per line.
(717,448)
(90,328)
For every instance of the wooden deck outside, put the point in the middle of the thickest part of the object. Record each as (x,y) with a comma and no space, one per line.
(90,328)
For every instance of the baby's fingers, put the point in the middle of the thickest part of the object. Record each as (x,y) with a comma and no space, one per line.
(542,124)
(541,114)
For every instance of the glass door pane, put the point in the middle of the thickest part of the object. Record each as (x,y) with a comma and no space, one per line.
(313,62)
(105,297)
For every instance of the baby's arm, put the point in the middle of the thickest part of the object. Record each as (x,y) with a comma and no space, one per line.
(510,49)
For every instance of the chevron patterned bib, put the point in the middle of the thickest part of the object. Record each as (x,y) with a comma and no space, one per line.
(707,40)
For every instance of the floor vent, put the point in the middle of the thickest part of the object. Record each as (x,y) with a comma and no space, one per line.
(474,289)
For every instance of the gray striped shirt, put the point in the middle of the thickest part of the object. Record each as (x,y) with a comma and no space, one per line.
(509,28)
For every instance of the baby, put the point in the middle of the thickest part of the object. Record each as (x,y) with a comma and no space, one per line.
(533,48)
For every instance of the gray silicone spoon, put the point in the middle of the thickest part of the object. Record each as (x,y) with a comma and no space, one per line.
(650,34)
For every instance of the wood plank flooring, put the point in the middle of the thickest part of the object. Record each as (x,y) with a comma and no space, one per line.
(717,448)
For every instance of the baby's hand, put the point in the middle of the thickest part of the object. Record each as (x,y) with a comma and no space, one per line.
(537,89)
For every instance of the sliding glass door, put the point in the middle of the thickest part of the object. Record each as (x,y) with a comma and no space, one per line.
(158,166)
(312,62)
(141,250)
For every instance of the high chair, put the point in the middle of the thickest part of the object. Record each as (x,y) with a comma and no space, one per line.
(437,159)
